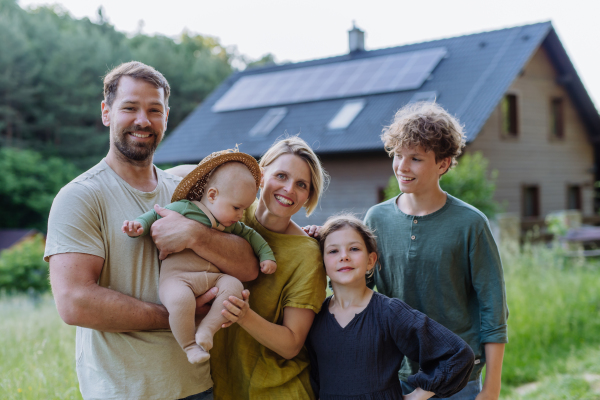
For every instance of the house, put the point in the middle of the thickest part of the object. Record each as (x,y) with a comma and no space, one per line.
(12,237)
(515,90)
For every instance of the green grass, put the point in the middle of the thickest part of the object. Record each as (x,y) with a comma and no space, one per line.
(37,351)
(554,305)
(554,333)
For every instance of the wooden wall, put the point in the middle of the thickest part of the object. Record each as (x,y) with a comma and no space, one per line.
(534,157)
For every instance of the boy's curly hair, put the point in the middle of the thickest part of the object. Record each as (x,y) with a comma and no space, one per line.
(428,125)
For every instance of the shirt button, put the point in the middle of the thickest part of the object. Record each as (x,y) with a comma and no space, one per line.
(415,221)
(413,237)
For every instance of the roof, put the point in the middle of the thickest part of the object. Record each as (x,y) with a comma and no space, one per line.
(10,237)
(469,82)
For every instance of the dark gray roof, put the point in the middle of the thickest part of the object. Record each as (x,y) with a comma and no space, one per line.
(469,82)
(10,237)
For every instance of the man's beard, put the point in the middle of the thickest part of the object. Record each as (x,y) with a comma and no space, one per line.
(136,151)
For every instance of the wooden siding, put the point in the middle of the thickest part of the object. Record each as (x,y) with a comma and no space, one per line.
(534,157)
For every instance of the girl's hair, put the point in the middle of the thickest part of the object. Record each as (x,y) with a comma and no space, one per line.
(298,147)
(341,221)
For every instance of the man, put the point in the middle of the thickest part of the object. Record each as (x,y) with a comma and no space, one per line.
(106,283)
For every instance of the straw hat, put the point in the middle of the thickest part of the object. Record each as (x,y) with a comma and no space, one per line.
(192,186)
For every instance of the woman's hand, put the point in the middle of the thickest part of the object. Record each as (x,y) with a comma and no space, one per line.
(236,309)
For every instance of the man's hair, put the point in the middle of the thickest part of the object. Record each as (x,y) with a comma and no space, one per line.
(427,125)
(136,70)
(298,147)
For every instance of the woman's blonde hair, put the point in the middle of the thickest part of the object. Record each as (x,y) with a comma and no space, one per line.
(298,147)
(428,125)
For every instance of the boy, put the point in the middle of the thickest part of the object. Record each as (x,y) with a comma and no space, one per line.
(437,253)
(215,193)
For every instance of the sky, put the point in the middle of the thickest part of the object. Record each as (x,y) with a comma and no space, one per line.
(311,29)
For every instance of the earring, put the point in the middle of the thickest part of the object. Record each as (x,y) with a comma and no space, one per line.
(370,273)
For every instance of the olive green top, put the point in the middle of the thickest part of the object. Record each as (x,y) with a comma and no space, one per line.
(242,368)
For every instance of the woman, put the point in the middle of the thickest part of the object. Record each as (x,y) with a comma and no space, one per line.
(264,356)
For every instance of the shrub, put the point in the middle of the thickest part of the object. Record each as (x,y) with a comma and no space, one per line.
(22,267)
(468,181)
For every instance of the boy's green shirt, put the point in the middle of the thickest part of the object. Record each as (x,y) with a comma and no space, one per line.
(446,265)
(191,211)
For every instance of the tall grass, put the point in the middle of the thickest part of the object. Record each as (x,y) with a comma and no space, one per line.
(554,304)
(554,327)
(37,351)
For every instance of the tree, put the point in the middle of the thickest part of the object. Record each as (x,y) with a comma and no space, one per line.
(51,69)
(468,181)
(28,185)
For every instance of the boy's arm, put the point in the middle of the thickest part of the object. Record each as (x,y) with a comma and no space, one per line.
(259,245)
(488,281)
(494,354)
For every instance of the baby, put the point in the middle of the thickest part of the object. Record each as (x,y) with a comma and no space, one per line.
(215,193)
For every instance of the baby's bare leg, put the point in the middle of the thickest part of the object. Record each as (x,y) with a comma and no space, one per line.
(228,286)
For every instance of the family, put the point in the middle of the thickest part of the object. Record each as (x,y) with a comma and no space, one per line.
(137,255)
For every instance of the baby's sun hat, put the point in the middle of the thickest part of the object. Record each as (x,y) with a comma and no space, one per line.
(192,186)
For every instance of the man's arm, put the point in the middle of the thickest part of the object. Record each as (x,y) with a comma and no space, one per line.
(494,354)
(81,301)
(232,254)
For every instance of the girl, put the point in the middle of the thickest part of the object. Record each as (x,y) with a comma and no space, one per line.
(359,338)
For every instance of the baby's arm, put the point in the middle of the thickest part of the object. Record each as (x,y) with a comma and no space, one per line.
(262,250)
(132,228)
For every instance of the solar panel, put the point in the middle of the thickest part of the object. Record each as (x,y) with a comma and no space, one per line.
(390,73)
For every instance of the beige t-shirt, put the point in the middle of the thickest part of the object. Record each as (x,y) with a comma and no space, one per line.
(86,217)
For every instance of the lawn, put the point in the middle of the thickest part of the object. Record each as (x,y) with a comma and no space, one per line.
(37,351)
(554,333)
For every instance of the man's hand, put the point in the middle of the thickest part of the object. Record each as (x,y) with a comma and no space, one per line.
(172,232)
(204,301)
(312,230)
(132,228)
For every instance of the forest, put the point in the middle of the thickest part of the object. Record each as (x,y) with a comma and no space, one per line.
(51,71)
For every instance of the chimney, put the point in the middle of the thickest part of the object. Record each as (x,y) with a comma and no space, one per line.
(356,39)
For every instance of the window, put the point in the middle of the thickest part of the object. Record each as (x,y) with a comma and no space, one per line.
(509,116)
(574,197)
(557,118)
(269,121)
(346,115)
(531,201)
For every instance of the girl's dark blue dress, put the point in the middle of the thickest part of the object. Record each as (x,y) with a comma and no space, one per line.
(361,361)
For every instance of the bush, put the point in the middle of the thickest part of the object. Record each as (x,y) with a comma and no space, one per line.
(22,268)
(468,181)
(28,184)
